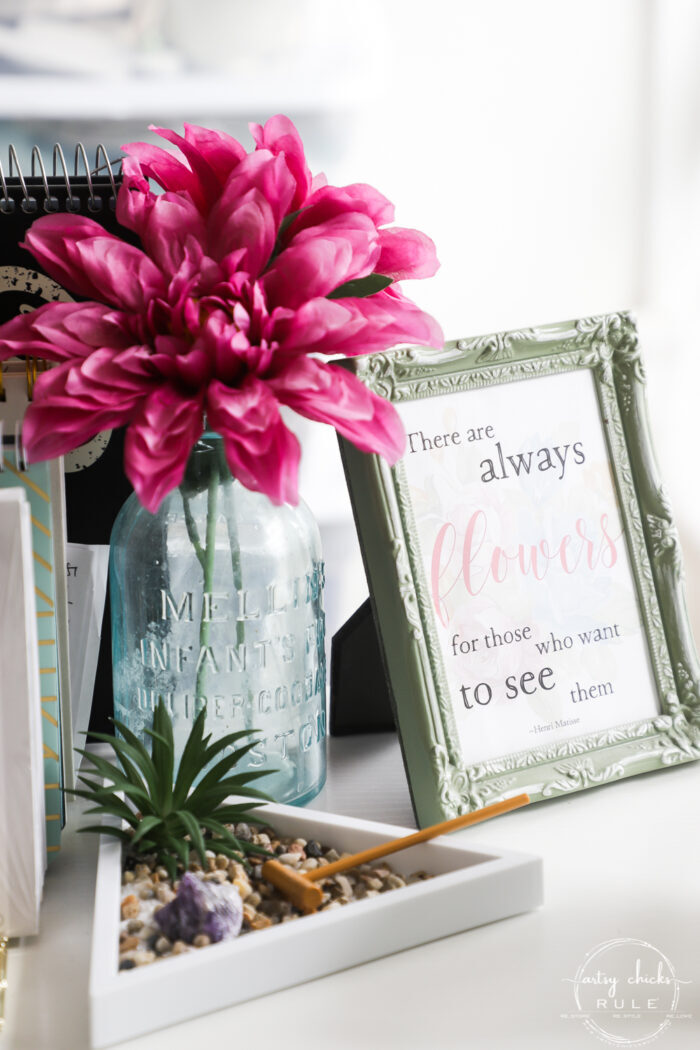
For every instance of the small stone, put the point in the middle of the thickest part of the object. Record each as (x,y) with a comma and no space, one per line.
(134,926)
(126,964)
(314,849)
(296,847)
(260,922)
(221,862)
(164,893)
(263,840)
(201,940)
(331,855)
(143,958)
(179,947)
(128,876)
(243,833)
(216,876)
(249,912)
(129,944)
(371,882)
(162,873)
(131,907)
(344,885)
(146,892)
(275,907)
(253,899)
(290,859)
(163,945)
(394,882)
(142,871)
(244,888)
(309,864)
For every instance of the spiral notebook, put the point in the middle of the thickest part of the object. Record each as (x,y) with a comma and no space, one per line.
(25,194)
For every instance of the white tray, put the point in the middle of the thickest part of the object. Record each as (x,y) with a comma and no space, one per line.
(472,887)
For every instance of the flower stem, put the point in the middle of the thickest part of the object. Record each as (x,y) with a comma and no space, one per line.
(208,567)
(192,527)
(230,515)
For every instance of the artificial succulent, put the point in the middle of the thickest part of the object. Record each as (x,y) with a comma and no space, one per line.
(169,815)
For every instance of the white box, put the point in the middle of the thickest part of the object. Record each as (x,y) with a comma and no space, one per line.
(22,810)
(471,887)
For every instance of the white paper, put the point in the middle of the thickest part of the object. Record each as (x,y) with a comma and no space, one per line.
(22,808)
(86,569)
(523,550)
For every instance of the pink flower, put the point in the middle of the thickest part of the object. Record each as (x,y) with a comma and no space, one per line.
(222,311)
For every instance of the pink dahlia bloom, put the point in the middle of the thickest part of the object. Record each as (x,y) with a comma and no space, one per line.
(221,313)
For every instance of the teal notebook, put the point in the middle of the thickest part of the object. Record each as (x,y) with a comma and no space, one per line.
(42,483)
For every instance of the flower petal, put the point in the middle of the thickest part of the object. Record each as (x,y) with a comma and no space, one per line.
(331,394)
(222,151)
(80,255)
(260,171)
(158,443)
(78,399)
(353,326)
(261,452)
(134,199)
(64,331)
(249,225)
(279,135)
(406,253)
(170,228)
(329,201)
(209,184)
(321,258)
(165,168)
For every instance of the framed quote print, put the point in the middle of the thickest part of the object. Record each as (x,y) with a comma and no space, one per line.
(524,568)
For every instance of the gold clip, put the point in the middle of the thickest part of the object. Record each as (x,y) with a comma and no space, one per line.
(34,366)
(31,369)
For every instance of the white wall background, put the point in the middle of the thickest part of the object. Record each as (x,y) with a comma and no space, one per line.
(551,149)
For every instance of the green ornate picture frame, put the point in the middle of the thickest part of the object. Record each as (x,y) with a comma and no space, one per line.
(455,614)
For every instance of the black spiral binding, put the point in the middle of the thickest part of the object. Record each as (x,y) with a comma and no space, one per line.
(23,198)
(60,191)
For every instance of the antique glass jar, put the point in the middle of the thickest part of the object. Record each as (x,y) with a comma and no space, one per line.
(217,602)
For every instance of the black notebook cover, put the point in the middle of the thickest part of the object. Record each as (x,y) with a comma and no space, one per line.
(96,485)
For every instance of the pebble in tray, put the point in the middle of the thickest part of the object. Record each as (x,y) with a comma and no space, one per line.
(146,889)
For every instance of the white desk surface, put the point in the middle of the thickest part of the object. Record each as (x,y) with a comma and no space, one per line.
(620,861)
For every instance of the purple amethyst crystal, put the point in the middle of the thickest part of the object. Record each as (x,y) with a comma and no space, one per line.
(201,907)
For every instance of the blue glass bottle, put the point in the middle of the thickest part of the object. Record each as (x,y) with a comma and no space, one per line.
(217,602)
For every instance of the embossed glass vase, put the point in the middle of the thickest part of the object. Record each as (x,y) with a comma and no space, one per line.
(217,602)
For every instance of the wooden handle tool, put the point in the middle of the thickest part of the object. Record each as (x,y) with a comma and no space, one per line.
(299,886)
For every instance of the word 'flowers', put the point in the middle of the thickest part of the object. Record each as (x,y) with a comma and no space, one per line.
(248,269)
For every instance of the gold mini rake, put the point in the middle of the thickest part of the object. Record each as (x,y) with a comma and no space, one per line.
(300,889)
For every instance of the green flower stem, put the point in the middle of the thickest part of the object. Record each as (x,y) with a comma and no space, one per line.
(192,527)
(230,515)
(208,567)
